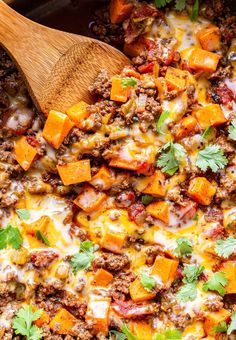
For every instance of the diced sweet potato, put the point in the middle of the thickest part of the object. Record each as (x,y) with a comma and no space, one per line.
(185,127)
(120,10)
(90,199)
(56,128)
(25,153)
(138,293)
(142,330)
(63,322)
(34,243)
(210,115)
(201,190)
(229,268)
(201,60)
(75,172)
(209,38)
(214,318)
(82,219)
(103,179)
(44,319)
(156,187)
(159,210)
(78,112)
(123,164)
(41,224)
(113,242)
(194,330)
(175,78)
(118,92)
(97,312)
(165,269)
(102,277)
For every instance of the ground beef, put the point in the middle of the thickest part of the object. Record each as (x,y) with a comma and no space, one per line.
(214,303)
(82,331)
(111,262)
(121,284)
(228,183)
(125,199)
(152,252)
(43,258)
(213,214)
(101,85)
(224,144)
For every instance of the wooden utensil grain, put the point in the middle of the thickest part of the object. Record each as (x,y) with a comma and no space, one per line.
(58,67)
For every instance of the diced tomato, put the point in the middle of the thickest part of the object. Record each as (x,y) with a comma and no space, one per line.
(130,310)
(167,56)
(32,141)
(146,68)
(144,11)
(137,212)
(226,95)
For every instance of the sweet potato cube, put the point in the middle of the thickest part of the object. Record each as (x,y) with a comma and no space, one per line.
(229,268)
(175,78)
(90,199)
(78,112)
(103,179)
(113,241)
(201,60)
(97,312)
(44,319)
(165,269)
(214,318)
(201,190)
(41,224)
(25,153)
(120,10)
(118,92)
(56,128)
(102,277)
(209,38)
(159,210)
(123,164)
(210,115)
(185,127)
(195,330)
(156,187)
(81,219)
(142,330)
(75,172)
(63,322)
(138,293)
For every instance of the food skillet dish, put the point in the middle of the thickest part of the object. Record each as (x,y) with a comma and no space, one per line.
(118,218)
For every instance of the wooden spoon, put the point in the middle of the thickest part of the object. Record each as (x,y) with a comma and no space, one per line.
(58,67)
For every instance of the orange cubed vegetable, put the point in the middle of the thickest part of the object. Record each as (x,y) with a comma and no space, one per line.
(214,318)
(56,128)
(81,219)
(229,268)
(123,164)
(194,330)
(201,190)
(102,277)
(156,187)
(209,38)
(185,127)
(25,153)
(142,330)
(165,269)
(210,115)
(63,322)
(120,10)
(75,172)
(41,224)
(130,72)
(201,60)
(42,320)
(159,210)
(103,179)
(90,199)
(97,312)
(78,112)
(175,78)
(118,92)
(138,293)
(113,242)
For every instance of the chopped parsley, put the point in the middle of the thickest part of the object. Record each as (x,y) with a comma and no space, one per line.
(232,325)
(225,248)
(41,237)
(232,129)
(146,199)
(170,157)
(23,214)
(211,157)
(161,120)
(10,236)
(195,10)
(129,335)
(184,247)
(128,81)
(189,291)
(84,258)
(169,334)
(216,283)
(220,328)
(207,132)
(118,335)
(179,6)
(147,282)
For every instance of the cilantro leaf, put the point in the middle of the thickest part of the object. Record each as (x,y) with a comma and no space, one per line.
(195,10)
(211,157)
(41,237)
(188,292)
(146,199)
(192,273)
(220,328)
(128,81)
(118,335)
(225,248)
(10,236)
(22,323)
(161,3)
(125,329)
(169,159)
(217,282)
(161,120)
(84,258)
(180,5)
(232,130)
(23,214)
(207,132)
(169,334)
(184,247)
(147,282)
(232,325)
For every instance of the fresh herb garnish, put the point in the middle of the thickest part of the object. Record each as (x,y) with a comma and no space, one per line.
(84,258)
(22,323)
(10,236)
(118,335)
(217,283)
(211,157)
(180,5)
(146,199)
(225,248)
(171,155)
(169,334)
(195,10)
(23,214)
(220,328)
(207,132)
(232,129)
(147,282)
(125,329)
(189,291)
(184,247)
(232,325)
(41,237)
(128,81)
(161,120)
